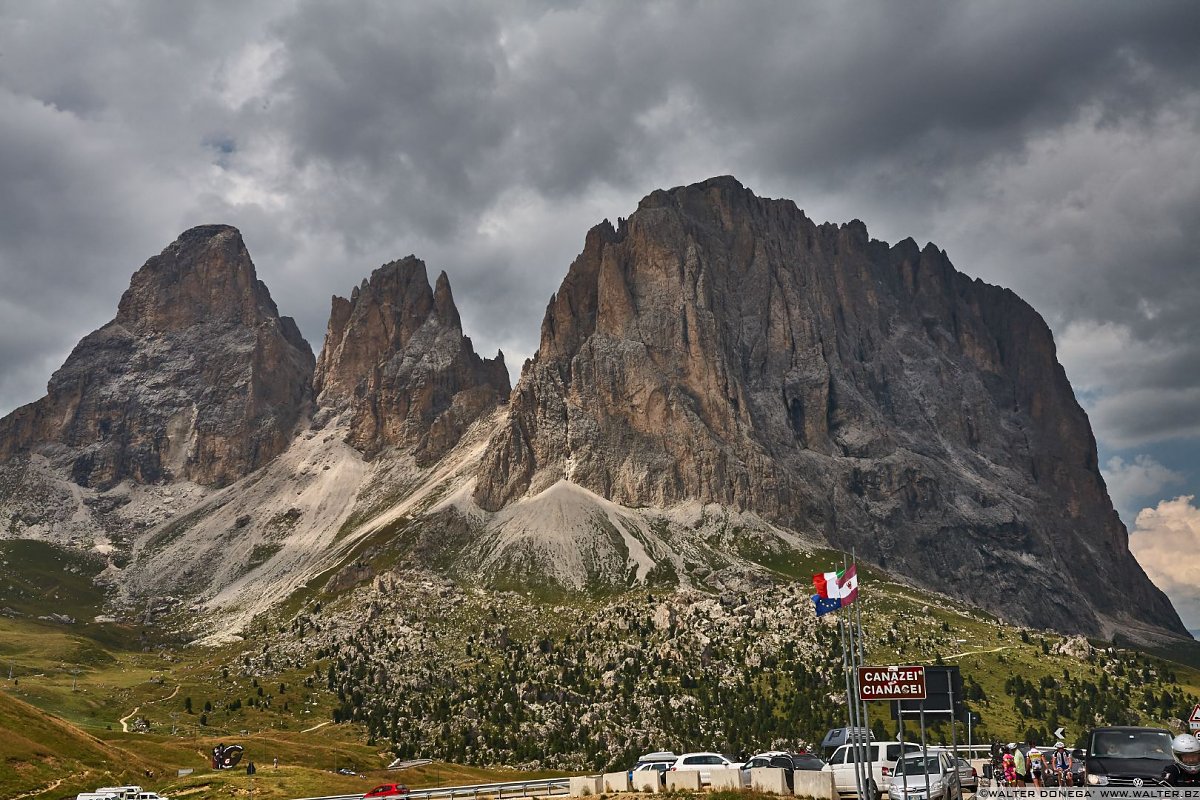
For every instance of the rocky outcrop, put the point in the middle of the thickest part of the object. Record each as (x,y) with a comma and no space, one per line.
(396,360)
(197,378)
(721,347)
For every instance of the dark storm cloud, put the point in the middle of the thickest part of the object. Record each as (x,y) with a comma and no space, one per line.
(1047,147)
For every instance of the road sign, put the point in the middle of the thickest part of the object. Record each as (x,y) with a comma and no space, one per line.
(1194,719)
(943,694)
(1059,733)
(891,683)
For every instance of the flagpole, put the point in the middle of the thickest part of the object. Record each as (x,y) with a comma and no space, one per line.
(850,715)
(861,767)
(862,660)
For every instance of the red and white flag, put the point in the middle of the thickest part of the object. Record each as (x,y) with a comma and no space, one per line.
(848,585)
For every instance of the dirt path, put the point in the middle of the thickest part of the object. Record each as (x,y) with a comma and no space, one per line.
(979,652)
(318,725)
(125,719)
(43,790)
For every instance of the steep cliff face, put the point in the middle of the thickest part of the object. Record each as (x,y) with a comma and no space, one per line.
(396,360)
(198,377)
(721,347)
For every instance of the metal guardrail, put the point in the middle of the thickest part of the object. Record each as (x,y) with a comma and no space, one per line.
(545,787)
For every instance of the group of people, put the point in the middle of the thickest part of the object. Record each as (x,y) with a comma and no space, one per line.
(1016,767)
(1019,767)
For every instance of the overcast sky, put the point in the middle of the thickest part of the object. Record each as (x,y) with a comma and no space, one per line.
(1053,148)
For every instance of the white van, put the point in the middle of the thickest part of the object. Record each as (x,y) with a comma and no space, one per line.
(883,758)
(97,796)
(122,792)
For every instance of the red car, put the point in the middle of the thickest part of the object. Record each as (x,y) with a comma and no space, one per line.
(387,790)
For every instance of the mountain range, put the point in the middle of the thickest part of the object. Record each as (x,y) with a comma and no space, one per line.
(719,382)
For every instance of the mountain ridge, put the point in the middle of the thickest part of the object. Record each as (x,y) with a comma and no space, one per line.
(720,347)
(719,380)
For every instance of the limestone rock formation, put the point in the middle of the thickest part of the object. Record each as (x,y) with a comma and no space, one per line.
(396,359)
(197,378)
(721,347)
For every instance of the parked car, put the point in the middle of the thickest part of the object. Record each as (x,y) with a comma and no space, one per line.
(932,777)
(387,790)
(658,757)
(968,776)
(882,754)
(1079,766)
(809,761)
(660,767)
(770,758)
(778,759)
(1127,756)
(659,762)
(704,763)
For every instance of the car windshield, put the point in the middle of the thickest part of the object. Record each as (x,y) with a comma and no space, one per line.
(914,766)
(1132,744)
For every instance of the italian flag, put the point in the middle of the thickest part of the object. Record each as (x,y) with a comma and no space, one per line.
(841,585)
(826,585)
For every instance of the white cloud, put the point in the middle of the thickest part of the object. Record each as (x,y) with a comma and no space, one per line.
(1166,541)
(1137,390)
(1130,482)
(488,139)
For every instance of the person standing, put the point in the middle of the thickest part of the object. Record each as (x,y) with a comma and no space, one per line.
(1019,762)
(1037,764)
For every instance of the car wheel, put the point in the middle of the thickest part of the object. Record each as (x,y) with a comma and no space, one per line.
(878,795)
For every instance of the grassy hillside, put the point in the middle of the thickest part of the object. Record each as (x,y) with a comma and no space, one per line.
(47,757)
(305,687)
(42,751)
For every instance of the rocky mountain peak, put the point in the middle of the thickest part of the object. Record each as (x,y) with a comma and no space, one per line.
(443,302)
(197,377)
(204,276)
(721,347)
(396,360)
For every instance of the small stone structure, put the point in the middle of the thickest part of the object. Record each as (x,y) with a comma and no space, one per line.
(616,782)
(815,784)
(771,780)
(685,781)
(585,785)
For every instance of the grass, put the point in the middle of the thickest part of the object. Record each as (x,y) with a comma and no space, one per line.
(73,683)
(39,577)
(46,757)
